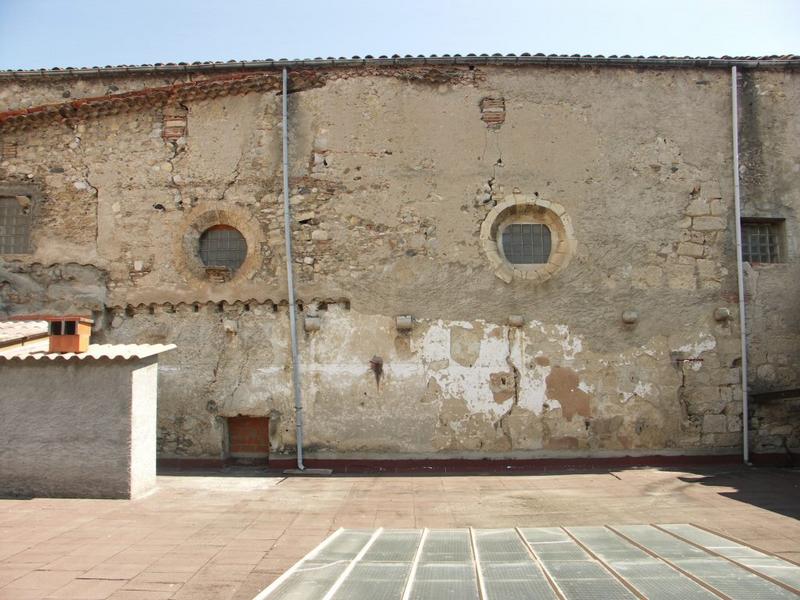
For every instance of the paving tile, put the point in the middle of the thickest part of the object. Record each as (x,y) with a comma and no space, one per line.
(140,595)
(206,591)
(175,534)
(114,571)
(221,574)
(238,557)
(9,574)
(87,589)
(21,594)
(9,548)
(167,577)
(152,586)
(46,581)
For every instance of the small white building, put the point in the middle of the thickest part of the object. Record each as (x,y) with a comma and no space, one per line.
(76,424)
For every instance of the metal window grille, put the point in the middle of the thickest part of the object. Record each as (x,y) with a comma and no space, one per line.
(15,224)
(222,247)
(526,243)
(761,242)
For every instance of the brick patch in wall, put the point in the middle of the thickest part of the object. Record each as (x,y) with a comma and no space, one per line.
(174,123)
(8,150)
(493,112)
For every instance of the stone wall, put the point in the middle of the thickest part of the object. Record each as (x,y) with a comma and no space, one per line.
(770,117)
(393,174)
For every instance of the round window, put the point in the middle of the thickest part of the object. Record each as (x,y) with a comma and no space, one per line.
(527,238)
(525,243)
(222,247)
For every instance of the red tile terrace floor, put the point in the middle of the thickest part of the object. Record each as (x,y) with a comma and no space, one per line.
(228,537)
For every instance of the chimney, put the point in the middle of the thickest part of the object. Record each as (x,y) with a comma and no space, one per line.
(69,333)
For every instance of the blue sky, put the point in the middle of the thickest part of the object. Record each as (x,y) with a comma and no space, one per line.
(50,33)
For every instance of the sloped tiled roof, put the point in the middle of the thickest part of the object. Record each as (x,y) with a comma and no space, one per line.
(788,60)
(39,351)
(12,332)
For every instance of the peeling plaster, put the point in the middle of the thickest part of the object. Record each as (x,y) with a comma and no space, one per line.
(467,383)
(706,343)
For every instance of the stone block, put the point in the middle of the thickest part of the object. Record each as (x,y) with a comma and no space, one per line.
(707,269)
(722,439)
(734,423)
(703,400)
(715,424)
(690,249)
(681,277)
(733,377)
(697,207)
(647,277)
(708,224)
(718,209)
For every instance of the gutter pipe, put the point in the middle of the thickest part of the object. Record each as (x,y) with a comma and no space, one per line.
(287,230)
(737,203)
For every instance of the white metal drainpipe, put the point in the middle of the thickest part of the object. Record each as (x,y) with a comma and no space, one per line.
(740,265)
(287,230)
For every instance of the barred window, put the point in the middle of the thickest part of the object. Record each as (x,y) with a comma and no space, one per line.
(222,246)
(15,224)
(761,241)
(526,243)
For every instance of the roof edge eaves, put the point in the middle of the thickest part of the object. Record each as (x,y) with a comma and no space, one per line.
(790,61)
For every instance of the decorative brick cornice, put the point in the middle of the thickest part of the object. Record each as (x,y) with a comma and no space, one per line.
(229,85)
(84,108)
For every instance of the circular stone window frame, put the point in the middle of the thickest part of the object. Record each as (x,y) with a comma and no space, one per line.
(189,242)
(523,208)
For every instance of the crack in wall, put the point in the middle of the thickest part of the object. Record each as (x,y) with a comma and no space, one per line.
(485,196)
(80,152)
(502,423)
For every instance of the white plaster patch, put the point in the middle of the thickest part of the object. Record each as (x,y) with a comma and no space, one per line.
(640,390)
(532,386)
(706,343)
(570,344)
(695,349)
(470,384)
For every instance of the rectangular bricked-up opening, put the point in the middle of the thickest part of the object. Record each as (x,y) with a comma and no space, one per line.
(493,112)
(248,440)
(8,149)
(174,123)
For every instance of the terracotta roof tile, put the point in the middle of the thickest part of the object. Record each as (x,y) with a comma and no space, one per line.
(525,57)
(17,331)
(38,351)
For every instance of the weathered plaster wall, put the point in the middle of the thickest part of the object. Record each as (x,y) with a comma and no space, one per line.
(392,175)
(770,116)
(66,428)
